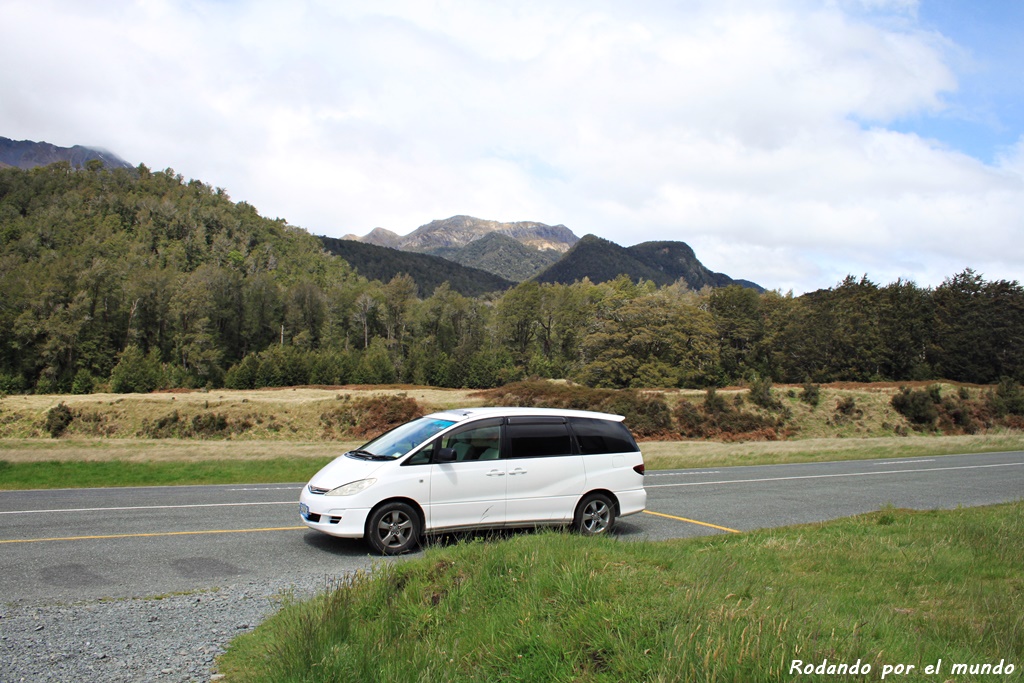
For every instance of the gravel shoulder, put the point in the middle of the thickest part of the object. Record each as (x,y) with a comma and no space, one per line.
(173,638)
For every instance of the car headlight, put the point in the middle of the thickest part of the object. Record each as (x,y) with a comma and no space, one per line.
(352,488)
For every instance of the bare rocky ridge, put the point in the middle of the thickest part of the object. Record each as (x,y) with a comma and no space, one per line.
(27,154)
(458,231)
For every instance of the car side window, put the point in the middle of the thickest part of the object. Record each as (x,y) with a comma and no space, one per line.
(602,436)
(538,440)
(423,456)
(480,441)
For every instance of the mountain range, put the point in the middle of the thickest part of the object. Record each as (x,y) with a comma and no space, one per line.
(528,250)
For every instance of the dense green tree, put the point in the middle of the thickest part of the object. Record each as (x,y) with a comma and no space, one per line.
(739,327)
(664,339)
(906,318)
(517,317)
(979,329)
(834,334)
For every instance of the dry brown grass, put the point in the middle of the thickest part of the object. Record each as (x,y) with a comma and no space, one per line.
(291,414)
(286,423)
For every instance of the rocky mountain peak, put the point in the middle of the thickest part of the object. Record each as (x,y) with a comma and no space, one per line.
(449,234)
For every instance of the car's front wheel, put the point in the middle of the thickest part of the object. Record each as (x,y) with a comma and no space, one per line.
(393,528)
(594,515)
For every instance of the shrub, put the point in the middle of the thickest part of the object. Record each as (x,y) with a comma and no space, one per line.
(919,407)
(58,419)
(713,403)
(1007,399)
(811,394)
(760,394)
(690,420)
(209,424)
(956,416)
(370,416)
(716,419)
(163,427)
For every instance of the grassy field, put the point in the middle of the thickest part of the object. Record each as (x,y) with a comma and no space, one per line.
(889,589)
(288,434)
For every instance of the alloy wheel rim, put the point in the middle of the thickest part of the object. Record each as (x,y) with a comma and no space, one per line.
(394,529)
(595,516)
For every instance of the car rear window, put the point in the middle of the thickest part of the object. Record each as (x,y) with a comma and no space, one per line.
(602,436)
(539,440)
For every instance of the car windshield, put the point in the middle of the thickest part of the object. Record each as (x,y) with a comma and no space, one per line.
(404,438)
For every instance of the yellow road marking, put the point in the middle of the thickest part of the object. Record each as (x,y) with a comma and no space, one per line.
(693,521)
(162,533)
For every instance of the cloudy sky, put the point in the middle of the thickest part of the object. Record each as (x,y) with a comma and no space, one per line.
(788,142)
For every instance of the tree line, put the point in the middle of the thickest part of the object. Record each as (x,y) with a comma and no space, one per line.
(133,280)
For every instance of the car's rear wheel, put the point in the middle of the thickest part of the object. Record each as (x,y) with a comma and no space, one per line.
(594,515)
(393,528)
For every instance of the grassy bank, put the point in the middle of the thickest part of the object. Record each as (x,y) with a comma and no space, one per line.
(894,587)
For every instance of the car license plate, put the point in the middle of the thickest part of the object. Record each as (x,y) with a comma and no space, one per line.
(303,509)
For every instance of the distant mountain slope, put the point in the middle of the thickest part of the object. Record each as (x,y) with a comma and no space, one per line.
(505,257)
(383,263)
(677,260)
(380,237)
(601,261)
(661,262)
(27,154)
(446,237)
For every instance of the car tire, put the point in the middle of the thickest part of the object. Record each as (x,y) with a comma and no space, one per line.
(394,528)
(595,515)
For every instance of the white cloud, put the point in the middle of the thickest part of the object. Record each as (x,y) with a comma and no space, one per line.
(755,131)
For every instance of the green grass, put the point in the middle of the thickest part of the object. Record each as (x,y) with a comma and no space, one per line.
(893,587)
(51,474)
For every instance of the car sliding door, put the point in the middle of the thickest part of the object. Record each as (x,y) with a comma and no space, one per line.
(545,479)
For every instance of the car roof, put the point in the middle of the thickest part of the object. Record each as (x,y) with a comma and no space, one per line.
(464,414)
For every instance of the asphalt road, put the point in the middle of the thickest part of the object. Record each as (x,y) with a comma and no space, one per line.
(74,544)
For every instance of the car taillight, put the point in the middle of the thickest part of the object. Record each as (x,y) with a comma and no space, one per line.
(639,469)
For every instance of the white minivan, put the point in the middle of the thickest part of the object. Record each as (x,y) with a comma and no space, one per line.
(480,468)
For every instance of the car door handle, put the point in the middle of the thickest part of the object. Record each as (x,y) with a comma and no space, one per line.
(518,470)
(495,473)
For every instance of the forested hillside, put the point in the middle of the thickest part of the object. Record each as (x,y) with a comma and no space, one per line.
(663,263)
(132,280)
(428,271)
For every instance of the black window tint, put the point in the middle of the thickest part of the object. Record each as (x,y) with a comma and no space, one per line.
(602,436)
(537,440)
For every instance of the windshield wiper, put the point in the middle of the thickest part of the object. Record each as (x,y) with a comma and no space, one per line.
(366,455)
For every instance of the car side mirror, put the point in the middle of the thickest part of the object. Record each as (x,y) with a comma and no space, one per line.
(446,455)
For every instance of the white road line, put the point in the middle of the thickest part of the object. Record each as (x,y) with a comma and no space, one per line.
(271,488)
(682,474)
(830,476)
(149,507)
(900,462)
